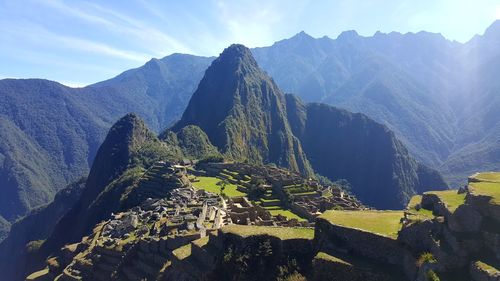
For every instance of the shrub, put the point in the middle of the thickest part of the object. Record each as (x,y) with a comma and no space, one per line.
(426,258)
(34,246)
(212,159)
(432,276)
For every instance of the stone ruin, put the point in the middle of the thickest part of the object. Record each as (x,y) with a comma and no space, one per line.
(308,206)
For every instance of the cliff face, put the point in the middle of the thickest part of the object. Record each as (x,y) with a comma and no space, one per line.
(243,113)
(344,145)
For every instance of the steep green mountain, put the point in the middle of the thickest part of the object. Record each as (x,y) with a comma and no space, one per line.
(246,107)
(128,147)
(36,226)
(344,145)
(192,141)
(129,151)
(243,113)
(51,133)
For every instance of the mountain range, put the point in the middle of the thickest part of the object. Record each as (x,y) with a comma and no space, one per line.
(252,121)
(438,96)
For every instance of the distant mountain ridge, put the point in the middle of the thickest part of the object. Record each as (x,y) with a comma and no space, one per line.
(420,85)
(436,95)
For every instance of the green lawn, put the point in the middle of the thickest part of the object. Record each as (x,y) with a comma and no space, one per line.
(490,176)
(283,233)
(287,213)
(420,213)
(210,184)
(327,257)
(385,223)
(490,189)
(201,241)
(182,252)
(450,198)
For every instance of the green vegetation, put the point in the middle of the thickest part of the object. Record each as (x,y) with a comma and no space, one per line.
(286,213)
(201,241)
(38,274)
(488,176)
(432,276)
(414,207)
(486,267)
(253,129)
(489,185)
(451,198)
(426,258)
(385,223)
(327,257)
(210,184)
(34,246)
(283,233)
(195,143)
(182,252)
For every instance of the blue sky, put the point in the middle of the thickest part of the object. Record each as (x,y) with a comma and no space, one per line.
(82,42)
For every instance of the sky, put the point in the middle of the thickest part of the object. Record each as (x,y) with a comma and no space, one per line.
(82,42)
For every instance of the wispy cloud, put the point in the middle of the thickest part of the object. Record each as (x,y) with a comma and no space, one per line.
(40,36)
(149,37)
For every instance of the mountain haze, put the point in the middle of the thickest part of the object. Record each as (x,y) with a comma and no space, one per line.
(436,95)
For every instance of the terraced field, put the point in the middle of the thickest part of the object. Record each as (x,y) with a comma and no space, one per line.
(210,184)
(385,223)
(451,198)
(489,185)
(415,209)
(283,233)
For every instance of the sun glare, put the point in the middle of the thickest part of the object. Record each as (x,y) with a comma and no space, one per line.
(497,13)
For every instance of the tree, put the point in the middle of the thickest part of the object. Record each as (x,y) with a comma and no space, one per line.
(222,185)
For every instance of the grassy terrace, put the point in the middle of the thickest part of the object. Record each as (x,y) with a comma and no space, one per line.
(384,223)
(283,233)
(38,274)
(450,198)
(489,186)
(420,213)
(286,213)
(327,257)
(182,252)
(490,176)
(210,184)
(201,241)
